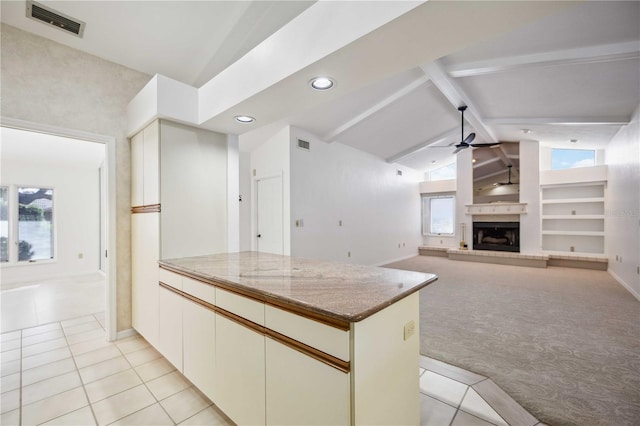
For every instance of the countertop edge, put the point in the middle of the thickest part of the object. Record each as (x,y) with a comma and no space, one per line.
(280,301)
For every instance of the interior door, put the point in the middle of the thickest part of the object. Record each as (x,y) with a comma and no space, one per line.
(270,238)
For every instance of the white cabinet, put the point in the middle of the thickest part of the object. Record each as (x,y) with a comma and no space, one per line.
(145,176)
(573,217)
(240,372)
(170,327)
(179,167)
(199,343)
(301,390)
(145,246)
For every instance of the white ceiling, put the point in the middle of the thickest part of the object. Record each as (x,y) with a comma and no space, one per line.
(570,74)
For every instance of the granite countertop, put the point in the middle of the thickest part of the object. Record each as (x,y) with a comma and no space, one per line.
(338,290)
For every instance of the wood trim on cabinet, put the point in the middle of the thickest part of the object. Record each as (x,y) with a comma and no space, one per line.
(330,360)
(151,208)
(302,312)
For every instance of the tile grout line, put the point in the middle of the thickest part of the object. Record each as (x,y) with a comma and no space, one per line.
(86,394)
(145,385)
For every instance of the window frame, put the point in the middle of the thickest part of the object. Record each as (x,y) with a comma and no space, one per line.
(426,214)
(13,225)
(431,179)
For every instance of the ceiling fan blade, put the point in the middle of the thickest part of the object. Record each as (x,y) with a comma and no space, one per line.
(476,145)
(469,138)
(460,148)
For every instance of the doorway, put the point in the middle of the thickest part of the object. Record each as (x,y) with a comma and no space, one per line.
(269,212)
(79,248)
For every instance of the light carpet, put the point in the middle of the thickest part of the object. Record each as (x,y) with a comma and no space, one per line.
(563,342)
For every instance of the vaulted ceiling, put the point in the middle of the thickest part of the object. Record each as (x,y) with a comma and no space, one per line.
(570,73)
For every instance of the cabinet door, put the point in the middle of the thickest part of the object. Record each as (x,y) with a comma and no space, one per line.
(170,326)
(145,247)
(199,328)
(151,167)
(137,169)
(301,390)
(240,372)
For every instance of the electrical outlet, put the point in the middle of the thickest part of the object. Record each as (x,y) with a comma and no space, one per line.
(348,254)
(409,329)
(572,248)
(297,224)
(339,223)
(80,255)
(616,257)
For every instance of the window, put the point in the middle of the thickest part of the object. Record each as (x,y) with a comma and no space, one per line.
(438,215)
(4,224)
(35,224)
(572,158)
(443,173)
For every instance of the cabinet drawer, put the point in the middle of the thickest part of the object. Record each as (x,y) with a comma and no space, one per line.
(170,278)
(199,289)
(239,305)
(315,334)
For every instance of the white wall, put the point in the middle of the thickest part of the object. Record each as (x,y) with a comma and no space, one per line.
(464,196)
(530,226)
(76,198)
(271,158)
(245,205)
(622,208)
(379,210)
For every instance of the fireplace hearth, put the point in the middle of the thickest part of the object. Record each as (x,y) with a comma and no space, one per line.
(497,236)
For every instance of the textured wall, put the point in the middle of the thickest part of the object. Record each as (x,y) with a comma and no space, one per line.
(49,83)
(622,215)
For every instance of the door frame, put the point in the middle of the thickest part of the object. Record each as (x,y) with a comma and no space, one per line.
(254,202)
(109,207)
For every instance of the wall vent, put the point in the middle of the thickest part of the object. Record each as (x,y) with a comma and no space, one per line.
(42,13)
(304,144)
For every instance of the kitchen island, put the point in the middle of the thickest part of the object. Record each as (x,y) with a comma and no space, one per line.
(282,340)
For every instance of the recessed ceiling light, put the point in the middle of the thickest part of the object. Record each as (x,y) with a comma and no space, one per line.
(473,160)
(573,140)
(526,131)
(321,83)
(244,119)
(433,161)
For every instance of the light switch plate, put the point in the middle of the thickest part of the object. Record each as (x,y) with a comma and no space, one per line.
(409,329)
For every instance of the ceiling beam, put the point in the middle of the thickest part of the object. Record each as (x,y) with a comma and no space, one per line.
(433,142)
(456,96)
(332,135)
(560,121)
(582,55)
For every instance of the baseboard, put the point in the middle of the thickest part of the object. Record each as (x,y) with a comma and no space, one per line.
(396,260)
(126,333)
(624,284)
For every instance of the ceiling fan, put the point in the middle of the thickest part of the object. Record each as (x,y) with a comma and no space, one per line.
(509,181)
(466,142)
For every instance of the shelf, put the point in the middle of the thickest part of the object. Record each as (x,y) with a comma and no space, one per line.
(574,200)
(573,216)
(575,233)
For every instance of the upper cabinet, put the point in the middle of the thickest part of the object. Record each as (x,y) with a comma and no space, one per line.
(145,170)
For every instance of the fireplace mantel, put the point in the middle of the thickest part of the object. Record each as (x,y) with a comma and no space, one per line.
(496,208)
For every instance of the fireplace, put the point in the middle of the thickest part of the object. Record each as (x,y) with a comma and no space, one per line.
(498,236)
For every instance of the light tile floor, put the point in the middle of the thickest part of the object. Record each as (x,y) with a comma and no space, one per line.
(57,368)
(66,373)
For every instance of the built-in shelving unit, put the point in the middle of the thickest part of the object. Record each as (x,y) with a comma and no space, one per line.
(573,217)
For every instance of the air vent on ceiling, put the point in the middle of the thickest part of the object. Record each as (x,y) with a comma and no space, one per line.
(54,18)
(304,144)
